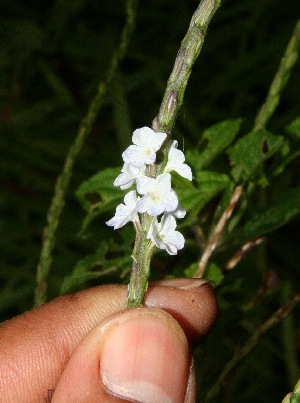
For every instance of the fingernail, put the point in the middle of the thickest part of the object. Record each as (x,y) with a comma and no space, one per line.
(183,283)
(139,355)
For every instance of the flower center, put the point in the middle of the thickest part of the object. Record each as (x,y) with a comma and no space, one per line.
(155,197)
(147,151)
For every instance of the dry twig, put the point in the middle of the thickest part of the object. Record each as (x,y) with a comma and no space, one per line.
(213,242)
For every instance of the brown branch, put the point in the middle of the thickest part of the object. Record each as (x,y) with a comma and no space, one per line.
(213,242)
(239,255)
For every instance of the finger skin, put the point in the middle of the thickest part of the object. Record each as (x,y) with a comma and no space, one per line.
(36,346)
(148,352)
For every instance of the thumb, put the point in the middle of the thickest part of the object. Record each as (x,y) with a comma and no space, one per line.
(139,355)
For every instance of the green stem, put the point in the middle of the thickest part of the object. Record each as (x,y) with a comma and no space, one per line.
(164,121)
(140,272)
(268,108)
(241,352)
(142,252)
(186,57)
(287,62)
(58,200)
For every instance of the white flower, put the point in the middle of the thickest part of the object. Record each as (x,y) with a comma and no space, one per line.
(128,176)
(180,212)
(158,195)
(125,212)
(146,143)
(164,236)
(176,162)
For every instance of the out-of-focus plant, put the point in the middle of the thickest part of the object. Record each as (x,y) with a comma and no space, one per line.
(244,194)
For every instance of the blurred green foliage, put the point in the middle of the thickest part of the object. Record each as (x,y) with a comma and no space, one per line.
(53,54)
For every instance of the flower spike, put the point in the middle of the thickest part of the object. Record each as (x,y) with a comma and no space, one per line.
(153,196)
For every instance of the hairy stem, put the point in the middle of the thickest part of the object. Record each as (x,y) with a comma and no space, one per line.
(164,121)
(281,77)
(58,200)
(241,352)
(140,272)
(186,57)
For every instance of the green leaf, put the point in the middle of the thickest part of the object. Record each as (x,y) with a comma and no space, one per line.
(214,273)
(218,137)
(193,199)
(248,154)
(102,186)
(294,127)
(85,268)
(297,387)
(295,398)
(191,270)
(98,194)
(266,220)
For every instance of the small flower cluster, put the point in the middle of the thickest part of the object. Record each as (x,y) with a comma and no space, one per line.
(153,195)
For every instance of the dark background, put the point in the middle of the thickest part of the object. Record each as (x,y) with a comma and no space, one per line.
(53,54)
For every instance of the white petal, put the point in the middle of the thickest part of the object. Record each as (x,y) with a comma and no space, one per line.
(179,212)
(174,241)
(144,184)
(138,156)
(175,155)
(149,205)
(184,170)
(168,223)
(139,136)
(124,181)
(143,151)
(145,135)
(112,222)
(142,205)
(158,139)
(128,176)
(176,162)
(130,199)
(121,217)
(171,202)
(164,182)
(154,229)
(130,170)
(124,212)
(164,236)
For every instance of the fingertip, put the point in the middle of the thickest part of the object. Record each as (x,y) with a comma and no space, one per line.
(130,356)
(191,302)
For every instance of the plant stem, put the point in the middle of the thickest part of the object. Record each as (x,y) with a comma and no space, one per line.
(186,57)
(58,200)
(213,242)
(164,121)
(140,272)
(240,353)
(281,77)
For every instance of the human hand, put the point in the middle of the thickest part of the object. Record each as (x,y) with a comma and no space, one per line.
(87,347)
